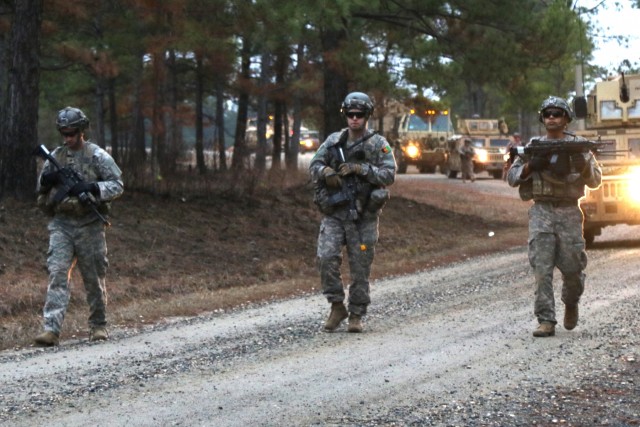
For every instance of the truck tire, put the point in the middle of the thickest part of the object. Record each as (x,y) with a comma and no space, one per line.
(402,167)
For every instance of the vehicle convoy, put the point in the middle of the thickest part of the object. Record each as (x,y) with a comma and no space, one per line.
(309,139)
(613,115)
(489,138)
(418,136)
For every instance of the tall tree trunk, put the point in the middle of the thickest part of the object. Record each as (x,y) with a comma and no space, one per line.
(280,121)
(4,58)
(239,151)
(199,148)
(137,156)
(278,130)
(335,83)
(263,119)
(291,154)
(220,126)
(98,135)
(158,130)
(17,165)
(113,120)
(174,145)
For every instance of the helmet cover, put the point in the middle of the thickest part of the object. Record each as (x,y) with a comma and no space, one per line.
(357,101)
(71,117)
(555,102)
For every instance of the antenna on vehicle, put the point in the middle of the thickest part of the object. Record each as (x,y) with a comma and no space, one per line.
(624,91)
(580,101)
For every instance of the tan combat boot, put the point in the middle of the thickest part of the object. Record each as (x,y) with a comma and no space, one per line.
(570,316)
(337,315)
(355,323)
(47,339)
(98,333)
(545,329)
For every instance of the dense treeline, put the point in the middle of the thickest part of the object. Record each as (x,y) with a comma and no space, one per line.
(157,77)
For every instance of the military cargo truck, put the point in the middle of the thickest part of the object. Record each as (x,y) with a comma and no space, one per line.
(418,137)
(613,115)
(422,143)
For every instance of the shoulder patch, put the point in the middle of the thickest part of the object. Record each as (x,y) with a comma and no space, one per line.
(386,149)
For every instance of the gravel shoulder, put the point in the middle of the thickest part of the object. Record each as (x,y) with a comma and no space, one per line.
(448,346)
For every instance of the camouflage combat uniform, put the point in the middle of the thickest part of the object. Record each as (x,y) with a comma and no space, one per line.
(338,228)
(555,230)
(77,235)
(466,162)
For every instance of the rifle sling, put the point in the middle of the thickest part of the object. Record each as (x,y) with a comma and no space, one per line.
(342,141)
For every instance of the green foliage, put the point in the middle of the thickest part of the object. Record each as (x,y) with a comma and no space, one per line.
(492,57)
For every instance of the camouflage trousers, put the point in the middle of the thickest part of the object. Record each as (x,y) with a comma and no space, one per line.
(334,235)
(466,167)
(555,240)
(70,245)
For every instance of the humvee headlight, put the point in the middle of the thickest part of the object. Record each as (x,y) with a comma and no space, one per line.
(633,186)
(481,155)
(412,151)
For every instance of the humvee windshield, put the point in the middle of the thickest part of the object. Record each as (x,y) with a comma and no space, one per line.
(498,142)
(416,123)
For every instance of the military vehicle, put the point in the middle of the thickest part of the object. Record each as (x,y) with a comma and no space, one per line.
(417,133)
(613,115)
(422,141)
(489,138)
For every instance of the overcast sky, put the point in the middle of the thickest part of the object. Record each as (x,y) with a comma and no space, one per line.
(610,54)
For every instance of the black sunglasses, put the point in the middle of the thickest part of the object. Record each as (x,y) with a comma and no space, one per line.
(552,113)
(70,132)
(355,114)
(73,132)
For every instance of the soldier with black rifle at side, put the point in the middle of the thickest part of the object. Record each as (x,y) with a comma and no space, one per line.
(76,186)
(553,171)
(350,172)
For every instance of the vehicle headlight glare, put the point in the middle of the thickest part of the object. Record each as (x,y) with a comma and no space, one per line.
(633,187)
(412,151)
(481,155)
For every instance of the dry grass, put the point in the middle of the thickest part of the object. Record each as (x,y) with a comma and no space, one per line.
(181,254)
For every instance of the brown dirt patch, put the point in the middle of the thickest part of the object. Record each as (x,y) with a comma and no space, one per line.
(181,256)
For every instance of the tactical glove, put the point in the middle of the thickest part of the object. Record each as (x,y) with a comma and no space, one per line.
(350,168)
(50,179)
(537,164)
(579,162)
(331,177)
(85,187)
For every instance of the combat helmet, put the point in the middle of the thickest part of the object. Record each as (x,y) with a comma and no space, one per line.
(357,101)
(555,102)
(70,117)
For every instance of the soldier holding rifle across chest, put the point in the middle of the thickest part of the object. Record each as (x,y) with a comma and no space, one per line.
(553,171)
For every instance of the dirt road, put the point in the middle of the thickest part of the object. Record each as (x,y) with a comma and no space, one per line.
(449,346)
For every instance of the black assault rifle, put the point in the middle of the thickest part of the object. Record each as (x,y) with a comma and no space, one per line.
(348,192)
(68,179)
(557,146)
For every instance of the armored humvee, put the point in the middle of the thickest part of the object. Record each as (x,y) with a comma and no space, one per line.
(613,115)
